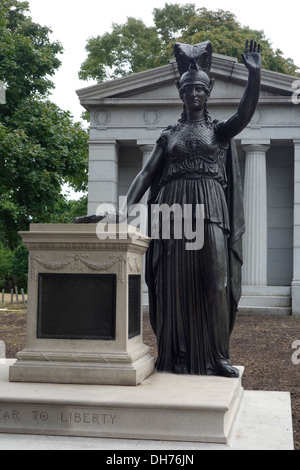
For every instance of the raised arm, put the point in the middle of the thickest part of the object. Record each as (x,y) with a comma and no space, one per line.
(248,104)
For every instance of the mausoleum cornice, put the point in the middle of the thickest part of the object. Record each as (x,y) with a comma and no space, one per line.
(129,90)
(122,102)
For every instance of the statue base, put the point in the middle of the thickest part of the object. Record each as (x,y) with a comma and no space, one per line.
(212,412)
(198,409)
(126,369)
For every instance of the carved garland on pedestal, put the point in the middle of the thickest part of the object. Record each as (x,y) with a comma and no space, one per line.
(135,265)
(75,261)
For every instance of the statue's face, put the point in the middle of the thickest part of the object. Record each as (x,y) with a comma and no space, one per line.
(193,96)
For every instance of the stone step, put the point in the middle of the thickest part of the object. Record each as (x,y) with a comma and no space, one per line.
(258,305)
(279,305)
(266,290)
(265,301)
(254,310)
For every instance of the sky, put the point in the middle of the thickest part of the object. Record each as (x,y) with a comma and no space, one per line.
(73,22)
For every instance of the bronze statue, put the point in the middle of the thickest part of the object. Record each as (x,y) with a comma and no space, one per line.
(193,295)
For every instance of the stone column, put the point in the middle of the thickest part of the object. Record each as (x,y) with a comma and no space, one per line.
(296,261)
(103,174)
(255,206)
(147,151)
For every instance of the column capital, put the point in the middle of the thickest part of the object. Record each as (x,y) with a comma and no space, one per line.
(146,147)
(256,142)
(260,145)
(103,142)
(297,149)
(142,142)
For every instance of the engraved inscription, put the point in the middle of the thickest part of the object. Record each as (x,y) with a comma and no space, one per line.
(11,416)
(40,417)
(46,417)
(87,418)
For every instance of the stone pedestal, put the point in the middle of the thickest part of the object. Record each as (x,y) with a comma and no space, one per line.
(84,317)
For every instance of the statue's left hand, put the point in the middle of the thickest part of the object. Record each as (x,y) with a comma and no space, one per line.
(252,57)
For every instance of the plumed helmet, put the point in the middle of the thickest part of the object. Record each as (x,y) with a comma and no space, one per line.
(194,64)
(195,77)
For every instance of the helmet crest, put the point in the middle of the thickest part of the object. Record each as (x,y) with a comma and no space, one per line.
(194,64)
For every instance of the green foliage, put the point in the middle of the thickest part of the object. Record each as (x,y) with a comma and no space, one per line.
(14,261)
(133,46)
(229,38)
(19,266)
(41,148)
(13,267)
(172,20)
(5,265)
(67,210)
(129,48)
(27,57)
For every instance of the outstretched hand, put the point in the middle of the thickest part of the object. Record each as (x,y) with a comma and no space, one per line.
(108,218)
(252,57)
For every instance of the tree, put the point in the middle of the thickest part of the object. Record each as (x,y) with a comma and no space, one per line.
(129,49)
(41,148)
(5,266)
(27,57)
(39,151)
(19,266)
(229,38)
(172,20)
(67,210)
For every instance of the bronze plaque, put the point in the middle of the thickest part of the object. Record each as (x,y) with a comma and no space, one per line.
(77,306)
(134,305)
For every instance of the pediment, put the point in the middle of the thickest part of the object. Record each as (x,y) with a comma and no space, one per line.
(159,85)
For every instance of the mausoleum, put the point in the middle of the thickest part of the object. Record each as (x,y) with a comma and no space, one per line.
(127,116)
